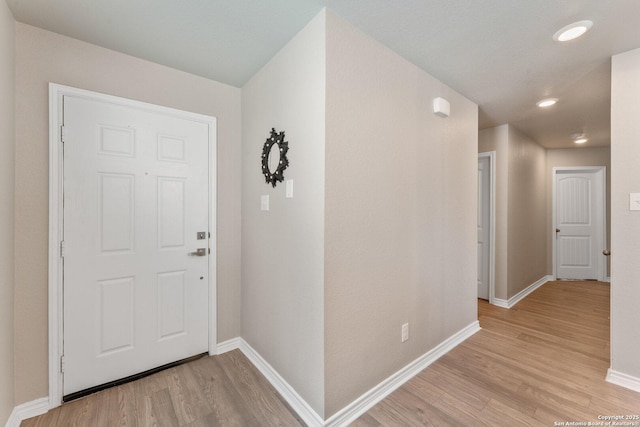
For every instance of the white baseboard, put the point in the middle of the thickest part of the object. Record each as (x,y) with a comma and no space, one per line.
(13,420)
(345,416)
(228,345)
(365,402)
(27,410)
(503,303)
(623,380)
(297,403)
(522,294)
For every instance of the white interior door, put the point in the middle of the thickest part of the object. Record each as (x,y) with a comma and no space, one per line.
(484,193)
(136,193)
(579,223)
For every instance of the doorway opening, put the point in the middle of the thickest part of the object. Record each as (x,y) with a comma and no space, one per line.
(486,226)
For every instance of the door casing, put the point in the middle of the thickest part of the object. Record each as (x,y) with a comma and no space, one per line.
(602,262)
(56,187)
(491,155)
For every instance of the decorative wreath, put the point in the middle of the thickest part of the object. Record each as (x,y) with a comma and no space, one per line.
(270,176)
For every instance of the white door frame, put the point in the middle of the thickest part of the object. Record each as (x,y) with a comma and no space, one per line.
(56,187)
(602,262)
(491,155)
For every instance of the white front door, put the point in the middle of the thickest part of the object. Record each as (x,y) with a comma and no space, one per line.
(483,226)
(136,195)
(579,223)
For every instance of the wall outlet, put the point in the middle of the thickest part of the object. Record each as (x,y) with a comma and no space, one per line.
(405,332)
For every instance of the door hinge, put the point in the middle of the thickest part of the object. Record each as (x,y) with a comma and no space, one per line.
(62,364)
(62,249)
(63,133)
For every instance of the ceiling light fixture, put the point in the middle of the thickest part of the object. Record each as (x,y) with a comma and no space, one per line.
(547,102)
(572,31)
(578,138)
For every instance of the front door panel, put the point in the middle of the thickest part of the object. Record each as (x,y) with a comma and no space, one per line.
(135,197)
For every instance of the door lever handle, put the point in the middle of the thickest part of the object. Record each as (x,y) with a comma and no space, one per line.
(557,230)
(198,252)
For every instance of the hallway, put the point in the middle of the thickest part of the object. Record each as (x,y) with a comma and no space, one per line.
(541,362)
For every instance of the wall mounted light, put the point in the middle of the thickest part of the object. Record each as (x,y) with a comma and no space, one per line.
(441,107)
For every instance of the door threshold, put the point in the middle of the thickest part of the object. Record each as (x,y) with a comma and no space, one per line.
(88,391)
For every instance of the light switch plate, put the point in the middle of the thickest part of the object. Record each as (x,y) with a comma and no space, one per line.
(634,201)
(264,202)
(289,189)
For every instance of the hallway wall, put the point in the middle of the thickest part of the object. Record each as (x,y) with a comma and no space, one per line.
(520,209)
(283,248)
(625,224)
(7,144)
(400,214)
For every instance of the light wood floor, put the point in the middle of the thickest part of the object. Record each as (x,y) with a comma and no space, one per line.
(225,390)
(541,362)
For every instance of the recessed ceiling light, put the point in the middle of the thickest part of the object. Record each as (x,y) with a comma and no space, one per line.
(578,138)
(547,102)
(572,31)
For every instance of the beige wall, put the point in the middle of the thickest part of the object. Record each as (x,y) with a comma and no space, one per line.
(583,156)
(400,214)
(43,57)
(7,74)
(282,249)
(497,139)
(527,228)
(521,198)
(381,234)
(625,224)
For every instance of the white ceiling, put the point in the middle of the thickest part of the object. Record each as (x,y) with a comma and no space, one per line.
(498,53)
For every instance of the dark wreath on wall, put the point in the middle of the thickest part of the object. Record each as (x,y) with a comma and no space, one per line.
(274,157)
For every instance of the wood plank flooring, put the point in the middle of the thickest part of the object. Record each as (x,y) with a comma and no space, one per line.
(224,390)
(544,361)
